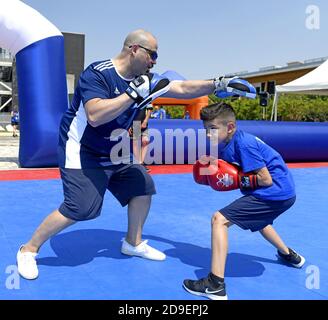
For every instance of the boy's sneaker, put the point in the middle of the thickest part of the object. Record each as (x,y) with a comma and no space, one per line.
(26,264)
(206,288)
(142,250)
(293,258)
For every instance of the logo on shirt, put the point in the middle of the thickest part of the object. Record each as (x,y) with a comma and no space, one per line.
(117,92)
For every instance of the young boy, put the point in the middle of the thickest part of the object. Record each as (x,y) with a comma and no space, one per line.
(265,181)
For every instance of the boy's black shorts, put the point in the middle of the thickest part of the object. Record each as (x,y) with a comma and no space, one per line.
(255,214)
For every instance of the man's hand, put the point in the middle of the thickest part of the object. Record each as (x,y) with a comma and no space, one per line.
(147,88)
(228,87)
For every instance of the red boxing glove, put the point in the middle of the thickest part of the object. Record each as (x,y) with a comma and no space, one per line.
(200,171)
(203,168)
(226,177)
(247,181)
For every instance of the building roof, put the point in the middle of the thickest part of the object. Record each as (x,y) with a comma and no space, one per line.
(291,66)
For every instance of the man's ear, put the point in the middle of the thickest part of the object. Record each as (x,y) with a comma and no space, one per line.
(134,49)
(231,126)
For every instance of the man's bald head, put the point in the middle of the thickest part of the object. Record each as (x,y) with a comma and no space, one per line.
(139,36)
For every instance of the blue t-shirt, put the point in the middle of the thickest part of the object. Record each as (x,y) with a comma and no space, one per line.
(84,146)
(159,114)
(251,153)
(15,117)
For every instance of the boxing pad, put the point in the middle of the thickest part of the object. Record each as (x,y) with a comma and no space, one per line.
(146,88)
(229,87)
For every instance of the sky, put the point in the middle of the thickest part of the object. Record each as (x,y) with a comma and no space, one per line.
(199,39)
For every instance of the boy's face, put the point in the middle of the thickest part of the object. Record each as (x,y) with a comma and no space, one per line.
(218,130)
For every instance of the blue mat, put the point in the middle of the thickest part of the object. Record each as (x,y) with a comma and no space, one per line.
(84,261)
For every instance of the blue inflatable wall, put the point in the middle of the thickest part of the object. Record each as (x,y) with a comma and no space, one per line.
(43,99)
(295,141)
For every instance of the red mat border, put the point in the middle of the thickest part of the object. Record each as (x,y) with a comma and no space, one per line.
(53,173)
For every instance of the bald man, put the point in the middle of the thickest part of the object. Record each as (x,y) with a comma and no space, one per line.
(103,104)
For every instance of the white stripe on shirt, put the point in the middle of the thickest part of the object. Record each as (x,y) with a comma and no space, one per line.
(73,145)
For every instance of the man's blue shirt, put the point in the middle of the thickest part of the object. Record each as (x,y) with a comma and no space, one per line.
(80,144)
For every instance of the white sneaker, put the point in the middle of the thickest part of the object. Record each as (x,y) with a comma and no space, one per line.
(26,263)
(142,250)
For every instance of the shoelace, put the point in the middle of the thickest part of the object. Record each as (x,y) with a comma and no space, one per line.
(294,255)
(203,283)
(143,245)
(28,257)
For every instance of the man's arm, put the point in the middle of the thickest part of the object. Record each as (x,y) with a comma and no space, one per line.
(222,87)
(141,91)
(100,111)
(190,89)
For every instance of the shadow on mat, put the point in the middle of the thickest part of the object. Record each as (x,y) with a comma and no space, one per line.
(82,246)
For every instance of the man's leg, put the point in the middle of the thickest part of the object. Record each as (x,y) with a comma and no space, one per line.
(26,262)
(220,227)
(138,209)
(272,236)
(51,225)
(133,244)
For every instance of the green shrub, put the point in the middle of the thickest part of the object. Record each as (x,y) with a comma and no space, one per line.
(175,112)
(290,108)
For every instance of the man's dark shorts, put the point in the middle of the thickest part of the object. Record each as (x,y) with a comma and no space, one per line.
(255,214)
(84,189)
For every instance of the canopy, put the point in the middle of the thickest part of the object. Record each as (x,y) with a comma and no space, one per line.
(314,82)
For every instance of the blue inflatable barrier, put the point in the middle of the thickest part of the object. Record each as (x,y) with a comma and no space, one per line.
(43,99)
(42,92)
(295,141)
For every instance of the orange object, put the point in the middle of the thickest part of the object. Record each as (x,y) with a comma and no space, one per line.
(192,105)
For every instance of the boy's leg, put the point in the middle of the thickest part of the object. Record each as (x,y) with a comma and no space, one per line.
(213,286)
(144,146)
(136,145)
(272,236)
(286,254)
(220,227)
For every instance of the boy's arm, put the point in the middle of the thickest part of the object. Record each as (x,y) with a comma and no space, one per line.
(224,176)
(263,176)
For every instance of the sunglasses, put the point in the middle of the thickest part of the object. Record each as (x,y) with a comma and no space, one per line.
(153,54)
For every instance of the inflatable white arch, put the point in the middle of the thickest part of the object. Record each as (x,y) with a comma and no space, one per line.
(41,75)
